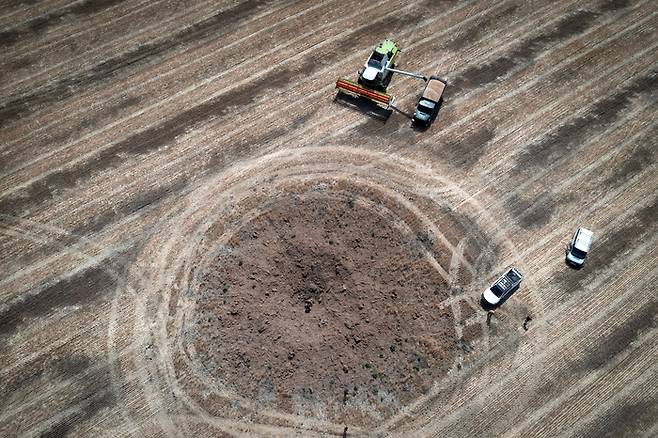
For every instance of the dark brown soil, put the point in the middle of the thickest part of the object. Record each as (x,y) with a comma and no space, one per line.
(321,305)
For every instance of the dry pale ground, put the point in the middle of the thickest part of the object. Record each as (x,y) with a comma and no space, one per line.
(197,240)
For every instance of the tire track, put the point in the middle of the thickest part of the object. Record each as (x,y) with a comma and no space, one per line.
(95,400)
(631,182)
(185,256)
(576,386)
(505,96)
(241,64)
(63,89)
(570,330)
(41,23)
(63,46)
(194,113)
(551,348)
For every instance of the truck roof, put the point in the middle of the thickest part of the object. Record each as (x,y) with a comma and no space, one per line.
(434,90)
(507,281)
(583,239)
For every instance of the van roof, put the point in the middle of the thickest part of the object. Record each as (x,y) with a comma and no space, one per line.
(583,239)
(434,90)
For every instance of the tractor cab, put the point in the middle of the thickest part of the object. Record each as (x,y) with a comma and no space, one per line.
(376,60)
(375,72)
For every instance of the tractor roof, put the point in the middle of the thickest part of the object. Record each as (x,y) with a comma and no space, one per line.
(386,46)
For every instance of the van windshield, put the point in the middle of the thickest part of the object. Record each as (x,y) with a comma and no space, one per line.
(578,253)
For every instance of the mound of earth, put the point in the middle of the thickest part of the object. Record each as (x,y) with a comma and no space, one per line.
(322,306)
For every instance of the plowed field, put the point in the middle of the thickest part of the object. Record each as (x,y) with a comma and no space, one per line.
(198,239)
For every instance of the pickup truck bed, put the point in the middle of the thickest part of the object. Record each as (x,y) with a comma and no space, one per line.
(434,90)
(507,282)
(503,287)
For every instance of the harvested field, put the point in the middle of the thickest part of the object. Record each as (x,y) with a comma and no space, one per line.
(196,238)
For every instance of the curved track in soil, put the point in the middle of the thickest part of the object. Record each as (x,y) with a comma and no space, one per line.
(143,144)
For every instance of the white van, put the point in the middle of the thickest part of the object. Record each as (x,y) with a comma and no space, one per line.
(579,246)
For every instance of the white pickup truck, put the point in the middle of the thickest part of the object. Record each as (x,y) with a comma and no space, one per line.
(578,247)
(503,287)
